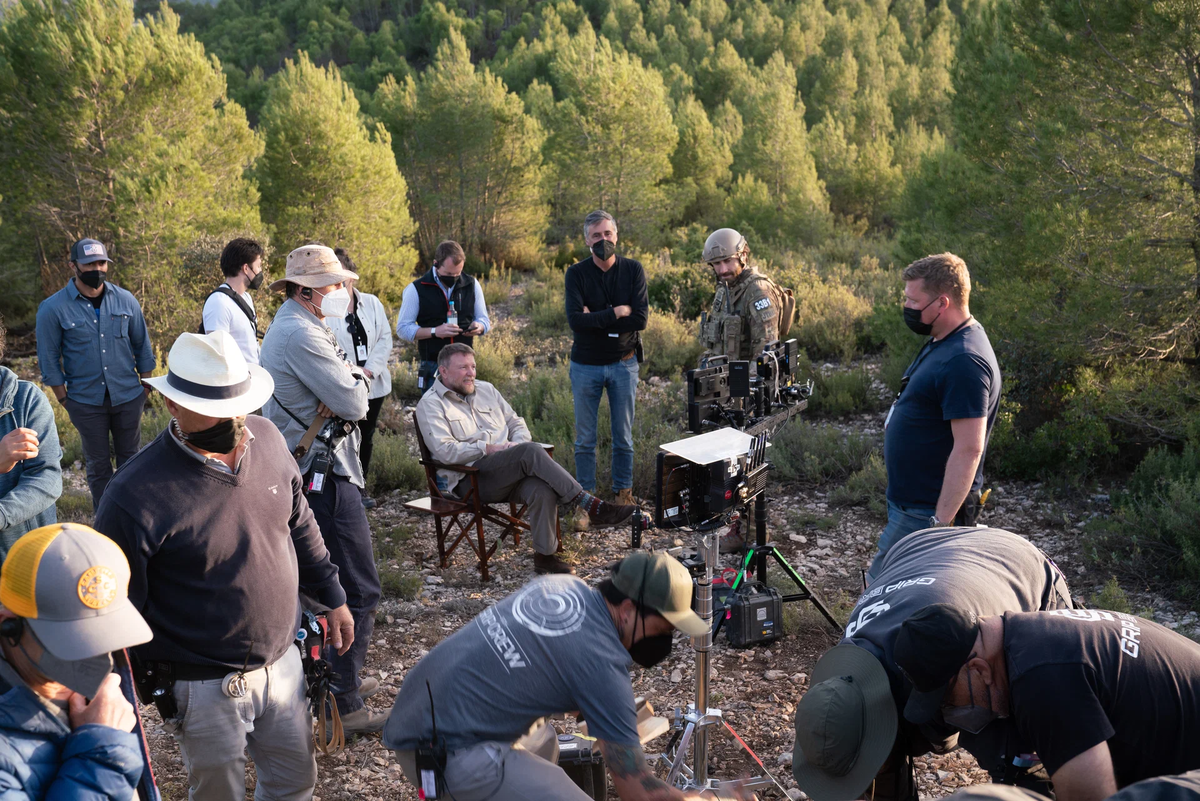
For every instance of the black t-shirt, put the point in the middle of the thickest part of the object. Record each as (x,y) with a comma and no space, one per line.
(601,338)
(1080,677)
(1164,788)
(952,379)
(96,301)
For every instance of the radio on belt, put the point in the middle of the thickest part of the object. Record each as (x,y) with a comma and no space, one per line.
(755,616)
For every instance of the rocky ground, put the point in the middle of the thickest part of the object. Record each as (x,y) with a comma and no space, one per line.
(757,688)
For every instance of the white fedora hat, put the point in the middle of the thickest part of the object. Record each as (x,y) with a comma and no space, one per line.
(207,374)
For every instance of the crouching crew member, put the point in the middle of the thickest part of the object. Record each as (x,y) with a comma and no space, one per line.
(1104,698)
(554,646)
(220,541)
(468,422)
(984,570)
(66,730)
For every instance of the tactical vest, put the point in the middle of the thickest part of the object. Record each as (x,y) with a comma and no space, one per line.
(733,321)
(434,306)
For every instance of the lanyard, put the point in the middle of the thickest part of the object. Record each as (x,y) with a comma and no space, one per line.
(924,352)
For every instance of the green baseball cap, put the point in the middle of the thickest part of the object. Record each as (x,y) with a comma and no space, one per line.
(845,725)
(661,583)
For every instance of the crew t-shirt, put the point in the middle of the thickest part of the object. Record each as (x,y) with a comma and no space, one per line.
(984,570)
(952,379)
(549,648)
(221,313)
(1080,677)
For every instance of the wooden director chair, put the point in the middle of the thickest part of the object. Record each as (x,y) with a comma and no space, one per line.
(461,519)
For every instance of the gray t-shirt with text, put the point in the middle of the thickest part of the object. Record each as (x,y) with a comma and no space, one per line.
(549,648)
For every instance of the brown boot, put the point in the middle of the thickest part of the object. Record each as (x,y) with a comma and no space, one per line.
(610,514)
(625,498)
(550,563)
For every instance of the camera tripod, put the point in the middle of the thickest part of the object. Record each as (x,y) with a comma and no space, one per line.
(691,727)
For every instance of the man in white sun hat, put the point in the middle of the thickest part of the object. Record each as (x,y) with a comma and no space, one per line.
(319,398)
(221,542)
(65,727)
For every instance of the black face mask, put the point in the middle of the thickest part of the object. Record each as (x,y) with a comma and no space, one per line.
(650,650)
(604,249)
(912,318)
(447,281)
(257,280)
(92,278)
(221,438)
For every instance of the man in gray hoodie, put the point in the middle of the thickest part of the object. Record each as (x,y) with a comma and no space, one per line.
(318,399)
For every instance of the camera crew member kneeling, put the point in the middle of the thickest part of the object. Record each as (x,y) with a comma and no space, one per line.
(221,541)
(313,379)
(553,646)
(64,611)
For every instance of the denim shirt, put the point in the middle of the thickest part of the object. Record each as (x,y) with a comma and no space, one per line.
(93,351)
(28,491)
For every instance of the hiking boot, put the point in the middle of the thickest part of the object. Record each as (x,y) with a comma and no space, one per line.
(368,687)
(363,721)
(732,540)
(625,498)
(580,520)
(550,563)
(611,514)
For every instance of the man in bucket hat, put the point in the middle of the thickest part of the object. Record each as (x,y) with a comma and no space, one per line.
(221,542)
(553,646)
(850,736)
(66,731)
(318,399)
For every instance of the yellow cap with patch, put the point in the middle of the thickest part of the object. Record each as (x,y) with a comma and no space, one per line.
(71,584)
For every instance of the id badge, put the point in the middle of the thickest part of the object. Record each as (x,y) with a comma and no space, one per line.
(361,351)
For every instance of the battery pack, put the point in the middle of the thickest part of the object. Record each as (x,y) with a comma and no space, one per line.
(582,761)
(755,616)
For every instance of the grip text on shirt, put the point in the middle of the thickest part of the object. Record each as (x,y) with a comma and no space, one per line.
(1131,629)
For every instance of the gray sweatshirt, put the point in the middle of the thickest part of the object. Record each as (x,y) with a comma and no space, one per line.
(302,356)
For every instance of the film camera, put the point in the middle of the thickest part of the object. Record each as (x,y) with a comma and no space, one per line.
(741,394)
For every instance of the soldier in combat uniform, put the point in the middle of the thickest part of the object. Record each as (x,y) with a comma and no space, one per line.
(748,312)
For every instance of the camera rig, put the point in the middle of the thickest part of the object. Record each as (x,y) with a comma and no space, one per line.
(746,395)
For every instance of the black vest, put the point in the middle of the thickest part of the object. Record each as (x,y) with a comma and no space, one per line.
(434,307)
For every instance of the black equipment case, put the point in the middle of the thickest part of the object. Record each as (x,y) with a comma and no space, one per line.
(582,761)
(756,616)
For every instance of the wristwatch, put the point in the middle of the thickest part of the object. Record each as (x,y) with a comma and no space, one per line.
(934,522)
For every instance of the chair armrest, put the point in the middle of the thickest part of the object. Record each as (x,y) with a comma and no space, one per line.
(457,468)
(549,448)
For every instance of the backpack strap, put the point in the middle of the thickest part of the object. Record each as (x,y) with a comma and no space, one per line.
(241,304)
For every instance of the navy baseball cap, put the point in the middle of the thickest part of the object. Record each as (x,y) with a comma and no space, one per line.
(87,251)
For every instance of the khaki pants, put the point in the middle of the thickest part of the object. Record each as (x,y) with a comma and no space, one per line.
(526,770)
(525,473)
(272,721)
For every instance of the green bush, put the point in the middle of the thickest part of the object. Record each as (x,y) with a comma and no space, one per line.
(885,331)
(68,436)
(495,354)
(682,288)
(819,452)
(671,346)
(497,286)
(393,466)
(1112,598)
(865,487)
(1075,446)
(404,381)
(840,393)
(544,301)
(155,418)
(74,507)
(828,319)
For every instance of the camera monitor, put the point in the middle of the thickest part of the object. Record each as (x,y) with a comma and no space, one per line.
(699,478)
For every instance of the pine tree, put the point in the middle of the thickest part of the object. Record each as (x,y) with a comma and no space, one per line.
(121,132)
(473,154)
(325,176)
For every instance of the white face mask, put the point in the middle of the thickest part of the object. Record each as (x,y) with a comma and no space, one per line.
(336,303)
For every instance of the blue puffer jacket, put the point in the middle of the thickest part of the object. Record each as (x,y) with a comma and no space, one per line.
(29,490)
(41,758)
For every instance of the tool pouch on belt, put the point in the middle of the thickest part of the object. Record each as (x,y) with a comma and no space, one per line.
(969,513)
(155,684)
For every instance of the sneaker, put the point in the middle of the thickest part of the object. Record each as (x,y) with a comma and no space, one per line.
(732,540)
(550,563)
(611,514)
(364,721)
(625,498)
(368,503)
(581,521)
(368,687)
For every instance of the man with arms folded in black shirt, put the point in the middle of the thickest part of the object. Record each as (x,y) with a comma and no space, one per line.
(220,541)
(553,646)
(936,433)
(607,306)
(985,570)
(1106,699)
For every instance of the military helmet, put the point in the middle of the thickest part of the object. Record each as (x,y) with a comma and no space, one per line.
(723,243)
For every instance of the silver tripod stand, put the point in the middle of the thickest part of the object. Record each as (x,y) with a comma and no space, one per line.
(691,728)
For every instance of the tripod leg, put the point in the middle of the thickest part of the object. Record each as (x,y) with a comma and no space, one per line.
(760,536)
(805,591)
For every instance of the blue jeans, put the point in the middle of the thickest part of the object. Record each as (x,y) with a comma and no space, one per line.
(902,521)
(588,382)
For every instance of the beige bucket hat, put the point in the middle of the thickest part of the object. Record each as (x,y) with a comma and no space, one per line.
(313,266)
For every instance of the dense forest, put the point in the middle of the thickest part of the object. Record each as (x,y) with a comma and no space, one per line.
(1054,144)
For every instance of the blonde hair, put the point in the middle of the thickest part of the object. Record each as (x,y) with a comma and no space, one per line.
(943,274)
